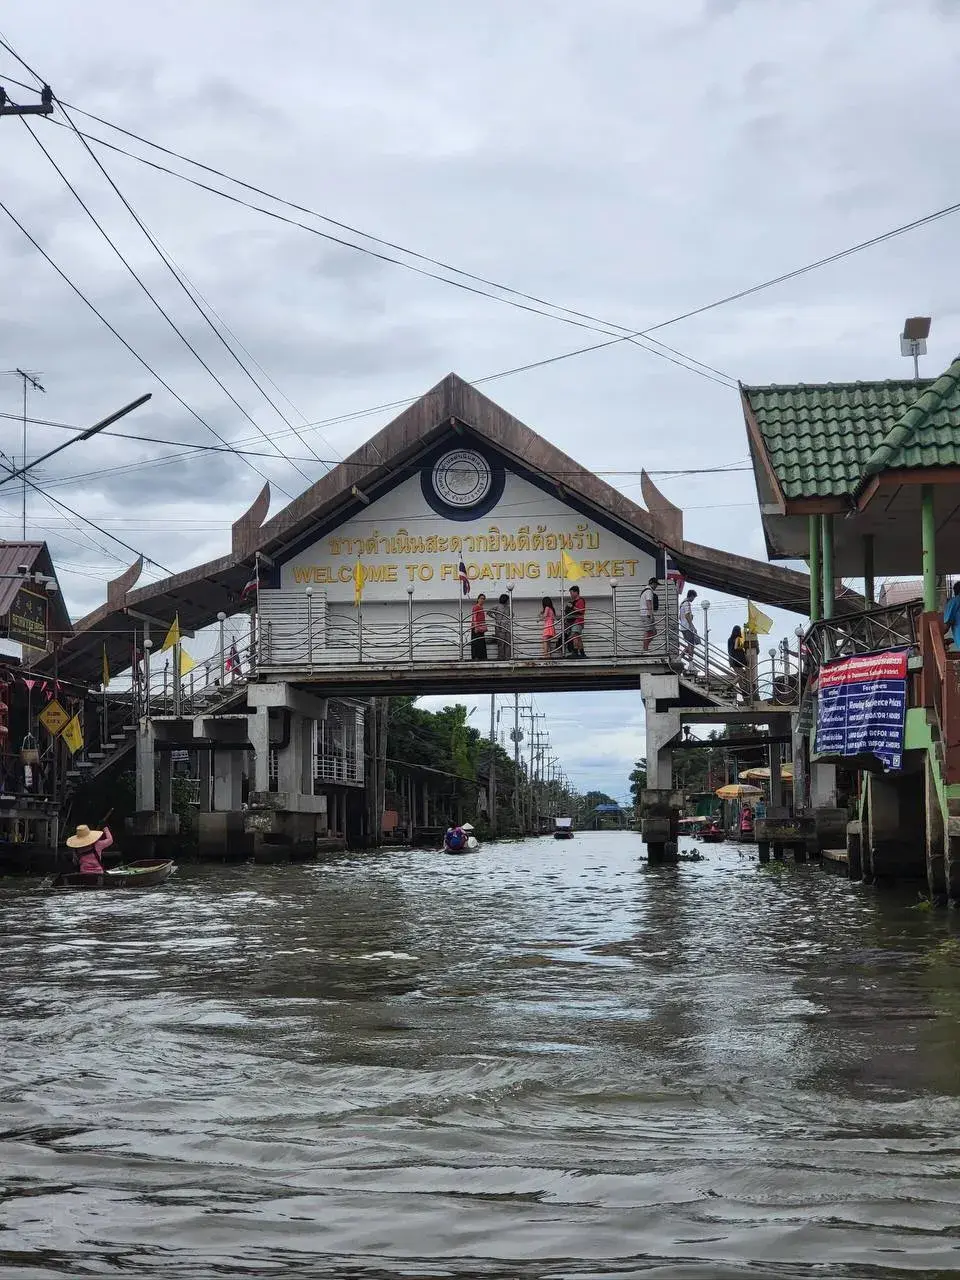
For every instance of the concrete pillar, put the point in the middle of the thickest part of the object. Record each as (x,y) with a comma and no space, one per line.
(227,780)
(295,760)
(935,832)
(205,771)
(951,861)
(146,768)
(662,728)
(855,850)
(164,767)
(823,786)
(259,734)
(896,826)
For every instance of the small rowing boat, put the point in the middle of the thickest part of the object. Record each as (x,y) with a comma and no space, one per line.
(141,874)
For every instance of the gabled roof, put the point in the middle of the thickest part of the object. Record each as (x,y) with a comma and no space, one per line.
(928,432)
(818,439)
(452,406)
(36,557)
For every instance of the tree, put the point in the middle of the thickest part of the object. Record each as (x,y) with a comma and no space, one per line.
(638,781)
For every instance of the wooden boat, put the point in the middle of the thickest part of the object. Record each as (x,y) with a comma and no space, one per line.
(713,834)
(563,829)
(141,874)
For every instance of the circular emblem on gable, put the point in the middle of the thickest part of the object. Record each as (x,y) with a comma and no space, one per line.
(461,478)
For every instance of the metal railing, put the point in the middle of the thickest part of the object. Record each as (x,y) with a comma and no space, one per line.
(615,629)
(892,627)
(773,678)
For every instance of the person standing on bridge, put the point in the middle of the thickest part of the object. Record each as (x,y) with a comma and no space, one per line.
(951,617)
(574,618)
(478,629)
(688,628)
(649,604)
(738,659)
(500,616)
(548,616)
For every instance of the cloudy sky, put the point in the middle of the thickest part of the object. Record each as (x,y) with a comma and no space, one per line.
(621,158)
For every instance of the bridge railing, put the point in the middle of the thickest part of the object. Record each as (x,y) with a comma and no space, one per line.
(301,630)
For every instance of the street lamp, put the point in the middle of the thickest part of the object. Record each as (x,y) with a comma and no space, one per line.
(705,606)
(221,618)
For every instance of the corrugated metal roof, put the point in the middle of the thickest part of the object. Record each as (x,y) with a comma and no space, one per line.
(819,438)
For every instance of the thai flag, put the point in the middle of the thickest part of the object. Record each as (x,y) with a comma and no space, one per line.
(233,659)
(464,580)
(674,574)
(250,589)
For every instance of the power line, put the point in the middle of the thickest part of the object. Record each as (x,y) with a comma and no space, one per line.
(136,355)
(178,276)
(532,303)
(146,289)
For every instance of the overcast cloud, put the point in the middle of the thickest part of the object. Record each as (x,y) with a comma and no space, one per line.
(624,158)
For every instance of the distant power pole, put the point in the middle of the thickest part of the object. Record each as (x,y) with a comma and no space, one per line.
(32,380)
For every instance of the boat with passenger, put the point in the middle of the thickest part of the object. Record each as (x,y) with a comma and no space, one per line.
(563,828)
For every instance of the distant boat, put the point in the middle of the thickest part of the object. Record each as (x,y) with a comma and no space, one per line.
(563,828)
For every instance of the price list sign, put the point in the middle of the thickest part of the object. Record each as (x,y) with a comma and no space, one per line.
(862,707)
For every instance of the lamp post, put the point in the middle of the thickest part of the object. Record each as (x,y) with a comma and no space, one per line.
(147,646)
(510,587)
(309,594)
(705,606)
(773,673)
(221,618)
(614,583)
(410,623)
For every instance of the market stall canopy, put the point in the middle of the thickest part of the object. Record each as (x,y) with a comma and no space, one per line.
(736,791)
(762,774)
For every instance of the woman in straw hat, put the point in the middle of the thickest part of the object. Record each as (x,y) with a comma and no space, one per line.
(89,845)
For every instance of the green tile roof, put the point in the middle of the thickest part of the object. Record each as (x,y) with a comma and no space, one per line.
(928,433)
(820,438)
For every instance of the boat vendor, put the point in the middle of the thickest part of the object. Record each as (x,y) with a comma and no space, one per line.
(89,844)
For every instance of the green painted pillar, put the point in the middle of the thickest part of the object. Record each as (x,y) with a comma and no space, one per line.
(826,537)
(869,586)
(928,535)
(813,562)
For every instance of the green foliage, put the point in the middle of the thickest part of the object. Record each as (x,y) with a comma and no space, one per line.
(638,781)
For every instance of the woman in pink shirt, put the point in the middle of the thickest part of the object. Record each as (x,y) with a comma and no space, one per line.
(89,845)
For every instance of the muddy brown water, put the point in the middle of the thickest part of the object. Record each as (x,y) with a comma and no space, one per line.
(546,1061)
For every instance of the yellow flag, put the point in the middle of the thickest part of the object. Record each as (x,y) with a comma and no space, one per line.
(357,583)
(73,735)
(173,635)
(186,662)
(105,675)
(571,570)
(757,620)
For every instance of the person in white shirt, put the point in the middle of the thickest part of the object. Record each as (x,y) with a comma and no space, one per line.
(649,604)
(688,629)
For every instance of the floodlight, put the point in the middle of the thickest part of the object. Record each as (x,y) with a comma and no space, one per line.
(913,340)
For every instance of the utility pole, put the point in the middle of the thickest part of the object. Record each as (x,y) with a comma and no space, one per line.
(517,737)
(31,379)
(533,717)
(43,108)
(492,771)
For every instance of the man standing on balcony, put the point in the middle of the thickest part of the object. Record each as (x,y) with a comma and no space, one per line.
(951,616)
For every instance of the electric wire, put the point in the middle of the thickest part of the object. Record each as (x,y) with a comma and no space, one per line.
(156,303)
(177,275)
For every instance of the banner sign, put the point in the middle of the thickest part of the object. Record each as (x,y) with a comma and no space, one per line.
(27,619)
(862,706)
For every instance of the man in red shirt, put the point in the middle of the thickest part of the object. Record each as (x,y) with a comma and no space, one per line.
(575,616)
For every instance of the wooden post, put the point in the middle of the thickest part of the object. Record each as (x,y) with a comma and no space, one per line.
(826,534)
(928,534)
(869,586)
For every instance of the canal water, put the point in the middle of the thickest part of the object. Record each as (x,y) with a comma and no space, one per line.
(546,1061)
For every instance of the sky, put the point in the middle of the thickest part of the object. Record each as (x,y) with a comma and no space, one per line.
(624,159)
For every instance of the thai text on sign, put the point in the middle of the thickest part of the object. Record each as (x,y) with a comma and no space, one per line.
(862,706)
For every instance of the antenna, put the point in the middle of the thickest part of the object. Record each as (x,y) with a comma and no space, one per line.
(30,378)
(913,340)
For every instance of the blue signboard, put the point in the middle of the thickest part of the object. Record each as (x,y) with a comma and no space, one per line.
(862,707)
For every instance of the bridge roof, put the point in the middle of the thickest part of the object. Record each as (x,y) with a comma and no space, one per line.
(453,406)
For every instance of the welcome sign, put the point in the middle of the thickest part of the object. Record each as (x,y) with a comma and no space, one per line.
(862,707)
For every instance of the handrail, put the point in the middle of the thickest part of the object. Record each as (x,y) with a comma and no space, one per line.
(941,690)
(889,627)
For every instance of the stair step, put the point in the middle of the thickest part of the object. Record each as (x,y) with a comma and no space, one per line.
(84,764)
(129,728)
(94,755)
(109,746)
(117,737)
(73,773)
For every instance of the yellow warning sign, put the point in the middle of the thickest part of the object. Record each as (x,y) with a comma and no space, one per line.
(53,717)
